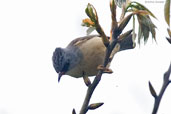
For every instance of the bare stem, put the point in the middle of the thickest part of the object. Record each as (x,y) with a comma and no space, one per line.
(113,15)
(96,81)
(89,93)
(102,33)
(110,48)
(158,99)
(164,86)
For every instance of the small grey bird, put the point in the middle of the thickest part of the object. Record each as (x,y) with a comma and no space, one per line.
(83,55)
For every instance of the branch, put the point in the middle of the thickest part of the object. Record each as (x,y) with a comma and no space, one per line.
(111,50)
(113,15)
(117,43)
(96,81)
(158,98)
(91,12)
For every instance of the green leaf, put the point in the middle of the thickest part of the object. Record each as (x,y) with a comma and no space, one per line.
(167,11)
(145,27)
(145,31)
(139,34)
(119,3)
(132,7)
(153,92)
(91,13)
(151,27)
(90,30)
(137,6)
(133,35)
(142,7)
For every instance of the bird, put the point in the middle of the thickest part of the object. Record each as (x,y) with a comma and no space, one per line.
(83,55)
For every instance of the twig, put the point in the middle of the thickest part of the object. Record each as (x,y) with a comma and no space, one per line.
(96,81)
(114,20)
(158,98)
(90,91)
(112,47)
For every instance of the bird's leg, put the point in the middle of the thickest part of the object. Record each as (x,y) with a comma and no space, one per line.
(86,80)
(104,69)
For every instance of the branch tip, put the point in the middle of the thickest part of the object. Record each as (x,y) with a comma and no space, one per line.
(169,81)
(94,106)
(73,111)
(152,90)
(87,81)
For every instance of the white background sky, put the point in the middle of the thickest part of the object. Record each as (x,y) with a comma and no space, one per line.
(30,30)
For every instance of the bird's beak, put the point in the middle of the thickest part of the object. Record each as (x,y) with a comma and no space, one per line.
(60,75)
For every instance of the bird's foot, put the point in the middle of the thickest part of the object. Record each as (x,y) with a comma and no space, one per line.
(86,81)
(104,69)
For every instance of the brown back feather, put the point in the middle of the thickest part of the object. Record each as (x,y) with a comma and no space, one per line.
(81,40)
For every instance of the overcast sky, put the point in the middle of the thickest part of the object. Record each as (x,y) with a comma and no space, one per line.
(30,30)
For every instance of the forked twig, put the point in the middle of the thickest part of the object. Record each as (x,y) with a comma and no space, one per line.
(112,47)
(158,98)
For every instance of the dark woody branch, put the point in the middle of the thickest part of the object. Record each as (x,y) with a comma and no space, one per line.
(157,98)
(116,43)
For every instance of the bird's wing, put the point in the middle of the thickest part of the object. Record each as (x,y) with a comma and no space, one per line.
(81,40)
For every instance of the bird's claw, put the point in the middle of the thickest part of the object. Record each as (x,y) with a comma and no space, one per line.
(104,69)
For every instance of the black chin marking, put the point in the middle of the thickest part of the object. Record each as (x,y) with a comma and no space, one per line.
(66,66)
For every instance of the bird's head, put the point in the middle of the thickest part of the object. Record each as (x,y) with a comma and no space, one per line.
(60,62)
